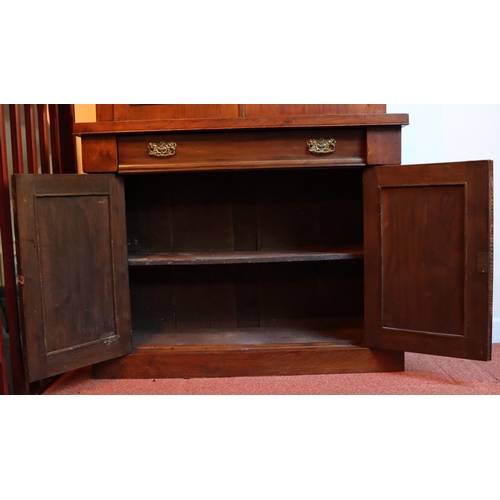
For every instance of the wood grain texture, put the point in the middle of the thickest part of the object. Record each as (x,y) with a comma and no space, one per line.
(241,149)
(216,361)
(232,336)
(260,256)
(128,112)
(99,154)
(424,228)
(72,271)
(252,110)
(299,294)
(262,122)
(383,145)
(245,211)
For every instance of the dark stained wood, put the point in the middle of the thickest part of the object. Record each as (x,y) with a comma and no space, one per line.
(300,294)
(16,138)
(55,146)
(425,226)
(300,211)
(31,143)
(309,208)
(262,122)
(308,293)
(99,154)
(236,149)
(43,133)
(66,141)
(19,382)
(227,336)
(244,361)
(227,240)
(72,271)
(260,256)
(4,380)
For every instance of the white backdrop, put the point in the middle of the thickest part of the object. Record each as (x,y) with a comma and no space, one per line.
(456,132)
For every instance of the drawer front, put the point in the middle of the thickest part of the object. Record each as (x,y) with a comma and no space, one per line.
(240,149)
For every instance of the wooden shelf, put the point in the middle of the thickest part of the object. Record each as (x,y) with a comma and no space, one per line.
(234,337)
(260,256)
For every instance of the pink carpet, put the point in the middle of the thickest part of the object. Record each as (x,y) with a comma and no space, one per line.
(424,374)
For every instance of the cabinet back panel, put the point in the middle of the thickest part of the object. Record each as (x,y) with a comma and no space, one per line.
(243,296)
(225,211)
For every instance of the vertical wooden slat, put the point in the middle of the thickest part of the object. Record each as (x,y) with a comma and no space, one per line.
(18,375)
(4,381)
(54,139)
(66,140)
(31,146)
(43,133)
(62,141)
(16,138)
(4,389)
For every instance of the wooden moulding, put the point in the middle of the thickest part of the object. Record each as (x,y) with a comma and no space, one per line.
(260,122)
(249,361)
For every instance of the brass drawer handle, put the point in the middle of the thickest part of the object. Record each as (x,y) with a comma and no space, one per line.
(321,146)
(162,148)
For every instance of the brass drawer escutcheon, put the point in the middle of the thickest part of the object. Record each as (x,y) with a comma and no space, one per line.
(321,146)
(162,149)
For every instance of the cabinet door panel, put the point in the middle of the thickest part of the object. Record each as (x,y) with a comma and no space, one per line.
(73,273)
(428,258)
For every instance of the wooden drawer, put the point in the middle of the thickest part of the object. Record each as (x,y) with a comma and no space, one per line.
(241,149)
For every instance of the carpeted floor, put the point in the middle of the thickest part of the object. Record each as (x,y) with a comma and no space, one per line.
(424,374)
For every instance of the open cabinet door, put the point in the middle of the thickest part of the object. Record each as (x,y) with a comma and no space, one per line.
(72,271)
(428,258)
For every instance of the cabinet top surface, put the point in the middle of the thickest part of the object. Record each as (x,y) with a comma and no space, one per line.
(241,123)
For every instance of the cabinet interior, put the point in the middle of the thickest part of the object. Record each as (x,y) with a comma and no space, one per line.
(246,257)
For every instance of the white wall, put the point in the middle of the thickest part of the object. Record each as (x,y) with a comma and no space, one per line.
(456,132)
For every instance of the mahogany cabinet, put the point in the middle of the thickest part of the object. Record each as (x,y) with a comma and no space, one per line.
(255,242)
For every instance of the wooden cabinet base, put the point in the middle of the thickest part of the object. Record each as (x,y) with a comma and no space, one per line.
(245,362)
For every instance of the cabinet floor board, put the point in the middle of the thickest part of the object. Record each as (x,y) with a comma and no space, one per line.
(263,337)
